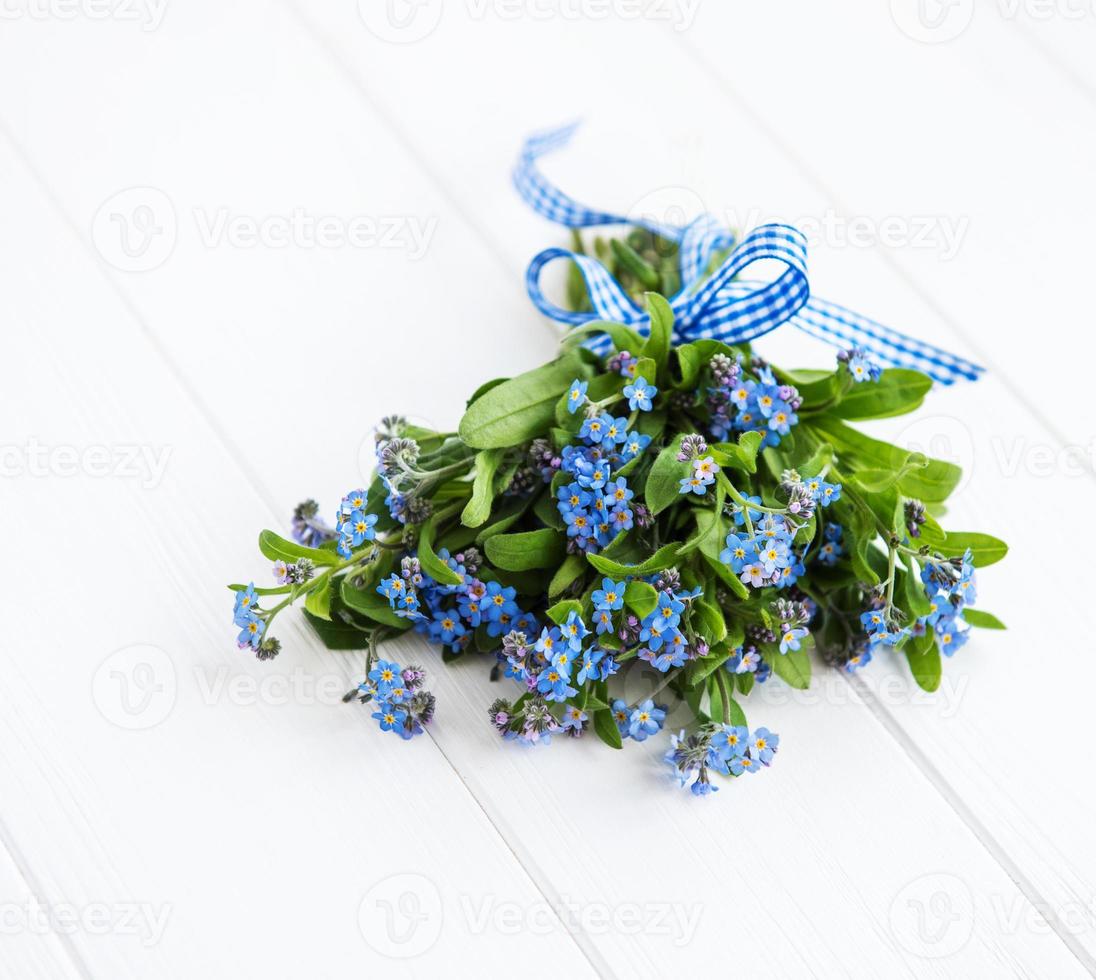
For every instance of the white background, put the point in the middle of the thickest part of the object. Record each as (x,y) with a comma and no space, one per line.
(183,361)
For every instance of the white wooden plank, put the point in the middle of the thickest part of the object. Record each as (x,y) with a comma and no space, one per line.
(537,795)
(261,827)
(33,934)
(978,135)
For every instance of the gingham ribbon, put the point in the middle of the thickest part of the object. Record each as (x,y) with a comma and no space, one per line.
(721,306)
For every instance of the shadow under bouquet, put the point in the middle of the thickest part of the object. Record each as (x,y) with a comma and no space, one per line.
(685,509)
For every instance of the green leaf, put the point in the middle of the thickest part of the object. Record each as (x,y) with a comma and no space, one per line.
(561,610)
(278,549)
(665,557)
(641,598)
(924,660)
(699,670)
(984,620)
(689,363)
(741,455)
(794,667)
(708,621)
(523,407)
(508,514)
(478,508)
(623,338)
(726,576)
(337,633)
(932,482)
(529,549)
(573,566)
(897,392)
(484,388)
(438,570)
(664,481)
(985,549)
(606,728)
(657,347)
(370,603)
(318,601)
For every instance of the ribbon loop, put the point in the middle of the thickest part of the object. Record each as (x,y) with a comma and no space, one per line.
(719,306)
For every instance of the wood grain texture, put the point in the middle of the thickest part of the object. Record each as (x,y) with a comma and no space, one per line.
(877,811)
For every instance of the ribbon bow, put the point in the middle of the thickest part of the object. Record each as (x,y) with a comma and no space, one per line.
(721,307)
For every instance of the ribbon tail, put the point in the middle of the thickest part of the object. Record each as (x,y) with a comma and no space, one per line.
(841,327)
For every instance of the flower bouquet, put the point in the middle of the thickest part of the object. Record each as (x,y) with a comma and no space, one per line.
(654,498)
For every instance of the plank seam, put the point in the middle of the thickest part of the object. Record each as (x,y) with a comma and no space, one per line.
(255,483)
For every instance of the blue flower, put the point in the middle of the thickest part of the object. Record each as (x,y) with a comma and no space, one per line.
(731,741)
(470,610)
(550,638)
(859,658)
(392,588)
(386,675)
(588,669)
(828,493)
(617,492)
(616,431)
(668,611)
(644,720)
(498,601)
(736,553)
(574,632)
(553,685)
(252,632)
(573,719)
(763,745)
(610,595)
(635,444)
(860,366)
(744,661)
(873,621)
(639,395)
(740,517)
(576,397)
(408,606)
(247,600)
(603,621)
(359,527)
(622,716)
(571,498)
(391,716)
(446,627)
(693,484)
(949,637)
(791,639)
(782,418)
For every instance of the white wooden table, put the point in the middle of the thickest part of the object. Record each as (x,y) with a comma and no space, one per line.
(185,359)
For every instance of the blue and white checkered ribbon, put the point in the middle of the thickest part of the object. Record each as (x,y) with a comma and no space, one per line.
(721,306)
